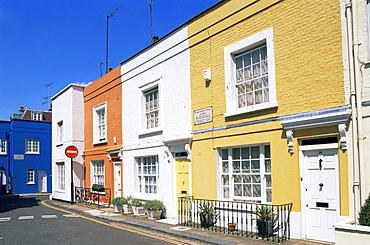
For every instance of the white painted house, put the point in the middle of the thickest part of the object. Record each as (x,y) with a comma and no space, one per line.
(157,121)
(67,129)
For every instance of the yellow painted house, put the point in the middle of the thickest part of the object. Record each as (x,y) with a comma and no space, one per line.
(269,109)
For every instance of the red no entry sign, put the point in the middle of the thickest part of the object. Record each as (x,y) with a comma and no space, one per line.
(71,151)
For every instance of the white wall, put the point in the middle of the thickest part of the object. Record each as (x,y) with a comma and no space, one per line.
(68,107)
(165,63)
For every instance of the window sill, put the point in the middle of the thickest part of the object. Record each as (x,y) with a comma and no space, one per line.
(100,142)
(31,183)
(3,154)
(150,131)
(32,153)
(249,109)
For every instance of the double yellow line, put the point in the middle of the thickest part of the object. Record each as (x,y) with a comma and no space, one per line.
(114,226)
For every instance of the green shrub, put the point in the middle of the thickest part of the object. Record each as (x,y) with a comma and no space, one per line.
(137,203)
(364,215)
(96,187)
(119,201)
(154,205)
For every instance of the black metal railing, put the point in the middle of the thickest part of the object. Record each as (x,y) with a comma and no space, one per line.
(271,222)
(88,195)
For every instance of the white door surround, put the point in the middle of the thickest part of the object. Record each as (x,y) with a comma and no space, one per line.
(117,179)
(42,181)
(320,190)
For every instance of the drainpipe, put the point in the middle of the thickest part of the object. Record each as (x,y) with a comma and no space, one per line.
(356,103)
(358,82)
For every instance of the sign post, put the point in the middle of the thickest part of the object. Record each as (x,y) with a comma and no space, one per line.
(71,152)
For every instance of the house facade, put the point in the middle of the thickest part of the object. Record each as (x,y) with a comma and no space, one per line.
(67,129)
(103,132)
(356,55)
(156,121)
(270,76)
(25,156)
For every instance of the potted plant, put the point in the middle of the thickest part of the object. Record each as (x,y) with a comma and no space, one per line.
(137,206)
(97,187)
(154,209)
(208,215)
(266,220)
(231,226)
(364,215)
(127,206)
(118,204)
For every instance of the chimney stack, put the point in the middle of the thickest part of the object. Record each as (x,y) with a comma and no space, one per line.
(154,39)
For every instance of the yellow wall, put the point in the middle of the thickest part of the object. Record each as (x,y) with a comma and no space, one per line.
(307,48)
(308,72)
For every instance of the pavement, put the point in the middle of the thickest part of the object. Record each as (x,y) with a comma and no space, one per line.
(167,227)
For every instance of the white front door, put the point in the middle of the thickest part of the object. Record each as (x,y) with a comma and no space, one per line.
(42,181)
(321,187)
(117,179)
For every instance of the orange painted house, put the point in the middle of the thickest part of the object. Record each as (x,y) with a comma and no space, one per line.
(103,132)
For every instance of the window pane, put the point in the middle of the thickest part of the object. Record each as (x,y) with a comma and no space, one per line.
(247,189)
(268,166)
(238,190)
(225,179)
(257,190)
(255,151)
(236,153)
(256,178)
(237,179)
(268,180)
(236,166)
(267,151)
(269,195)
(245,152)
(226,192)
(245,166)
(225,167)
(255,166)
(224,154)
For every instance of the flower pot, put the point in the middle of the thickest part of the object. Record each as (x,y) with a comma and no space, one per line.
(127,209)
(139,210)
(154,214)
(265,228)
(207,220)
(231,226)
(118,208)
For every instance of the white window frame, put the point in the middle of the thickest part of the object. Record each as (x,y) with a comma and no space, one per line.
(61,175)
(3,149)
(143,90)
(37,116)
(32,146)
(264,37)
(228,176)
(97,172)
(60,131)
(30,176)
(100,128)
(147,179)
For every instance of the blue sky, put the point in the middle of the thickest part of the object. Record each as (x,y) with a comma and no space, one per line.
(63,42)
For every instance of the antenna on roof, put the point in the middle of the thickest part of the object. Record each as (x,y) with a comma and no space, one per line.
(98,63)
(48,97)
(106,47)
(151,20)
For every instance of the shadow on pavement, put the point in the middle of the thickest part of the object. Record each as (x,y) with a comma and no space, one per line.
(15,202)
